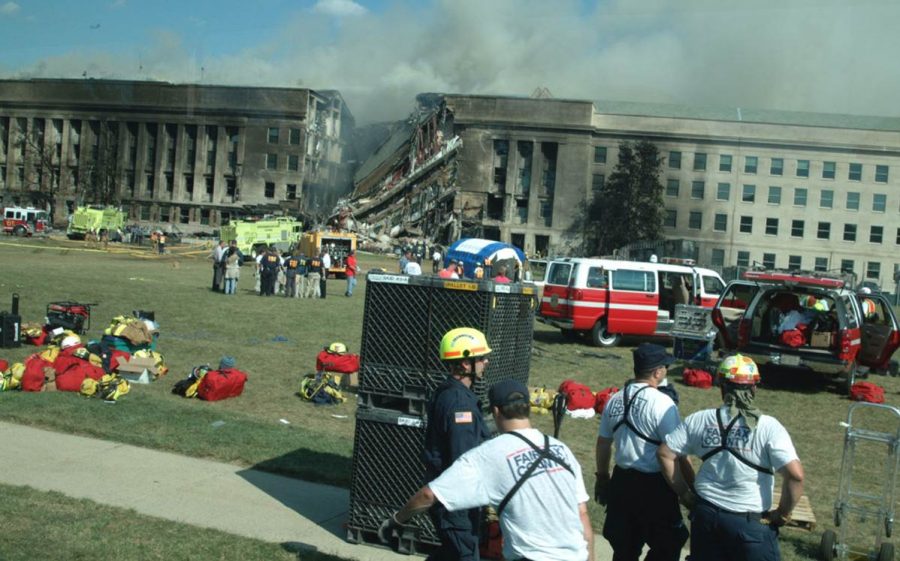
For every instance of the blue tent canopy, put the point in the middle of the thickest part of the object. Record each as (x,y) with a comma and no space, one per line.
(468,251)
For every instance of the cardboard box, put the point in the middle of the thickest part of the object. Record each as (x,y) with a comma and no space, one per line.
(821,339)
(139,370)
(349,381)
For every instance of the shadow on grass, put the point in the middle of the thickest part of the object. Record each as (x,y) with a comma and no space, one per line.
(798,380)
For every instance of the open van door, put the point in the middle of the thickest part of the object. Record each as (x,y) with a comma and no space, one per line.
(729,311)
(880,332)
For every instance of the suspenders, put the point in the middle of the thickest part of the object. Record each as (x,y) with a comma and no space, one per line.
(723,436)
(543,454)
(627,422)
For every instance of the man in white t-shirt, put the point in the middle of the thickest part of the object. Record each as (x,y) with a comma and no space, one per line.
(640,506)
(412,268)
(533,480)
(734,485)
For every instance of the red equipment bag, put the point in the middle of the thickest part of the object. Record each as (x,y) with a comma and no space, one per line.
(33,378)
(579,396)
(602,398)
(222,384)
(793,338)
(867,391)
(347,363)
(4,366)
(697,378)
(71,372)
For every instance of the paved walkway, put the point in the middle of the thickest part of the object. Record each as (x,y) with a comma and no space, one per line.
(205,493)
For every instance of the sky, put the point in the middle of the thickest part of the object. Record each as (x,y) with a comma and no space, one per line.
(826,56)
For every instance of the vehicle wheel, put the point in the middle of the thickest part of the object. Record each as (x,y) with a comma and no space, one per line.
(886,553)
(20,231)
(603,338)
(826,546)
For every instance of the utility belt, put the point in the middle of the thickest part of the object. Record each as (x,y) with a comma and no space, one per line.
(750,516)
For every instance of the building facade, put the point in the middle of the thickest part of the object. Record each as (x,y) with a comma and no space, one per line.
(187,155)
(784,190)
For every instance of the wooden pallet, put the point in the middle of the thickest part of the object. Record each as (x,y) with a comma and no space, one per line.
(803,517)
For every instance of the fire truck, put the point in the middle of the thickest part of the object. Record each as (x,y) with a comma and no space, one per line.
(253,236)
(95,219)
(20,221)
(338,244)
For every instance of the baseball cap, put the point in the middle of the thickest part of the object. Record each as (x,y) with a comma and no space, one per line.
(507,392)
(648,356)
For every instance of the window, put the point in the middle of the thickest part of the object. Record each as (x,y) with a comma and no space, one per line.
(675,160)
(559,274)
(823,232)
(272,161)
(597,277)
(855,173)
(189,184)
(671,218)
(501,157)
(768,260)
(898,236)
(145,212)
(876,234)
(774,195)
(849,232)
(273,135)
(852,200)
(725,162)
(599,154)
(873,270)
(695,220)
(879,202)
(184,214)
(204,216)
(847,265)
(821,264)
(270,190)
(828,170)
(800,194)
(721,223)
(881,174)
(641,281)
(771,226)
(291,191)
(699,162)
(794,262)
(717,257)
(748,195)
(746,224)
(750,164)
(743,258)
(293,137)
(723,191)
(826,198)
(672,186)
(597,182)
(777,166)
(802,168)
(697,188)
(293,162)
(797,228)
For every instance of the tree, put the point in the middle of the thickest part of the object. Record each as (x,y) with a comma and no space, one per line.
(629,207)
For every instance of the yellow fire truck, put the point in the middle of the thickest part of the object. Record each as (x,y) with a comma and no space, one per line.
(252,236)
(87,219)
(338,244)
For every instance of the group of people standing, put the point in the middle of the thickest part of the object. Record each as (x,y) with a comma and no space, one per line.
(290,273)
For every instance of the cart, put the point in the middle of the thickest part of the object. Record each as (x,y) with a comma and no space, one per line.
(693,336)
(865,505)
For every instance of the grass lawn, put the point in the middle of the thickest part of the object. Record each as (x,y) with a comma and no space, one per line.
(276,340)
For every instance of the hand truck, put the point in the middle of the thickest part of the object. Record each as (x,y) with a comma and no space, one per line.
(851,501)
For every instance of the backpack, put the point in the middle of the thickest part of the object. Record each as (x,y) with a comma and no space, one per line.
(188,386)
(221,384)
(320,389)
(579,396)
(867,391)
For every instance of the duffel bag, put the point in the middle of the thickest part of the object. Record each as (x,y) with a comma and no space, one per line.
(579,395)
(697,378)
(34,377)
(222,384)
(341,363)
(867,391)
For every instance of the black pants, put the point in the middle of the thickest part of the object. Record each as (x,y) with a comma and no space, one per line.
(267,282)
(721,535)
(458,532)
(643,509)
(322,285)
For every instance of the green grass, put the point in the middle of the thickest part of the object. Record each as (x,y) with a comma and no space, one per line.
(199,326)
(49,525)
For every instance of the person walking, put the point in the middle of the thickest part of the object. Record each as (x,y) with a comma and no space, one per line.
(640,506)
(313,277)
(232,263)
(436,260)
(532,479)
(218,264)
(351,273)
(741,449)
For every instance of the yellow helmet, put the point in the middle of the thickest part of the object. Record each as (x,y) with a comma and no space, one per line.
(463,342)
(739,369)
(337,348)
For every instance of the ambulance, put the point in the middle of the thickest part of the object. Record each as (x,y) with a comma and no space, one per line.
(607,299)
(20,221)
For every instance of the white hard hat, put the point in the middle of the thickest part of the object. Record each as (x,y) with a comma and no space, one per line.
(865,290)
(69,341)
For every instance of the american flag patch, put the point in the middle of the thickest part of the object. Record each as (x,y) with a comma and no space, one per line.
(463,417)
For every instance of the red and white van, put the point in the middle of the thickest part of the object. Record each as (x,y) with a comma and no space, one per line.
(607,298)
(25,221)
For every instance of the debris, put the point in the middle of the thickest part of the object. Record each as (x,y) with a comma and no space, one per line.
(339,416)
(217,424)
(284,421)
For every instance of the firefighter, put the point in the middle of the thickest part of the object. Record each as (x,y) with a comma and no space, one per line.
(455,426)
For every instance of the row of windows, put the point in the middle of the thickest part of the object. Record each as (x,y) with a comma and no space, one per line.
(795,262)
(855,170)
(798,227)
(275,133)
(774,195)
(293,162)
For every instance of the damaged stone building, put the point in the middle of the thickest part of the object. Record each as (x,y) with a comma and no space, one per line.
(180,154)
(781,189)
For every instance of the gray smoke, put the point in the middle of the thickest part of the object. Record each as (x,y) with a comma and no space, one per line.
(831,56)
